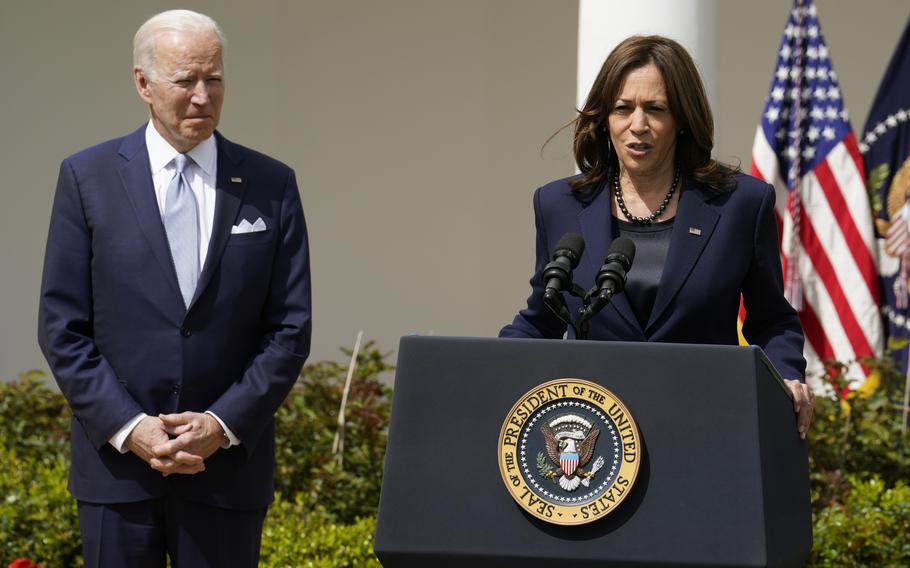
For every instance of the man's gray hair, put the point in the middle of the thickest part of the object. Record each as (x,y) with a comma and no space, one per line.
(170,21)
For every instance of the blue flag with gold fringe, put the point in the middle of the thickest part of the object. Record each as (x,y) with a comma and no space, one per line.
(885,146)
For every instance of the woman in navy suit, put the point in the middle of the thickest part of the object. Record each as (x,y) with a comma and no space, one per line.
(704,233)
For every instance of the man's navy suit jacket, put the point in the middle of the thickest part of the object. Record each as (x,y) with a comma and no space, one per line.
(723,244)
(120,341)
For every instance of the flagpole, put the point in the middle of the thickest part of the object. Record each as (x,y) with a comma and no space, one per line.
(793,289)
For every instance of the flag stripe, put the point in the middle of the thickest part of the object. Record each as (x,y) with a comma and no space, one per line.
(842,164)
(821,324)
(828,277)
(815,334)
(846,175)
(859,252)
(829,217)
(855,155)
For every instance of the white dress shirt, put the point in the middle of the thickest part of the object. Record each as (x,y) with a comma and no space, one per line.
(200,172)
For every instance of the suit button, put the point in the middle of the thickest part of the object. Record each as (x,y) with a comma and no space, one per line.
(185,331)
(175,389)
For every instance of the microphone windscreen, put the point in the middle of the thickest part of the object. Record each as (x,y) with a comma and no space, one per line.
(623,246)
(574,244)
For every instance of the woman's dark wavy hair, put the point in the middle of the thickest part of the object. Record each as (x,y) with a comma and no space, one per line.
(687,102)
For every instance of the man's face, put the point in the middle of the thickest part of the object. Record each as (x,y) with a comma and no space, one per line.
(186,88)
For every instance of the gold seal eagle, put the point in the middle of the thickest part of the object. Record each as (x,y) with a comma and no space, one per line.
(570,449)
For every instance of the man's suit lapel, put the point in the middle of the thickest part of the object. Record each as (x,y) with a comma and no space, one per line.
(596,222)
(230,186)
(692,229)
(136,176)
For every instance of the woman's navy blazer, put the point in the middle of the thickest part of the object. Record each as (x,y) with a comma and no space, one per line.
(724,244)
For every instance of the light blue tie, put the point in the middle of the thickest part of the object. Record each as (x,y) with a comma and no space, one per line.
(182,227)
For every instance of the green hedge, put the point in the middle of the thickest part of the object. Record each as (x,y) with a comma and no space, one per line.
(324,515)
(37,514)
(328,520)
(297,535)
(859,462)
(868,528)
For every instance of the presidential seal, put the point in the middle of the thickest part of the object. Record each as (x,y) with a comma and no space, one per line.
(569,452)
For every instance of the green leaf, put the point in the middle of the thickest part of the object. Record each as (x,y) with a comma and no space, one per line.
(877,176)
(874,182)
(897,343)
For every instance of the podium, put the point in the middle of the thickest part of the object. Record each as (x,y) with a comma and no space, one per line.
(723,478)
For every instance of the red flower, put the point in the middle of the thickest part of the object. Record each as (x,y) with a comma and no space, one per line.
(23,563)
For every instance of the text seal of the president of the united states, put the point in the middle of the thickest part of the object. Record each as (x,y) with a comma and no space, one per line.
(569,452)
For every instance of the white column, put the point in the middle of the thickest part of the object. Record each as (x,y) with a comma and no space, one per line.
(602,24)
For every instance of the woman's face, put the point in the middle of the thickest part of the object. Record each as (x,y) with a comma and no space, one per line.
(642,129)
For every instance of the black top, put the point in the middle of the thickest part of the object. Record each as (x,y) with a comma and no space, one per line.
(651,245)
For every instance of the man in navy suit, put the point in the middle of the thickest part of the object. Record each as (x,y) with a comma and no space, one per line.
(175,316)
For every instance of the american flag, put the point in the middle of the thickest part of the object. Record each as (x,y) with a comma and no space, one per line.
(805,147)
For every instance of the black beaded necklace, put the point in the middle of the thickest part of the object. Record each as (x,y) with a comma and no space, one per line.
(617,190)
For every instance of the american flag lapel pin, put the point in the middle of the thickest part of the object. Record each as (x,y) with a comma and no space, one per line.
(236,180)
(695,231)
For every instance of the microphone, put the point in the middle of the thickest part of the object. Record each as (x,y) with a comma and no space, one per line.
(557,275)
(611,278)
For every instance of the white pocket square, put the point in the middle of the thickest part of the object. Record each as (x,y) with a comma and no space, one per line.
(245,226)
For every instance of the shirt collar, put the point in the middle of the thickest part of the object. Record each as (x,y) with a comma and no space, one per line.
(161,153)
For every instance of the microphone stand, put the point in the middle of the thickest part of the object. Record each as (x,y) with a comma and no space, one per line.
(557,304)
(585,313)
(593,301)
